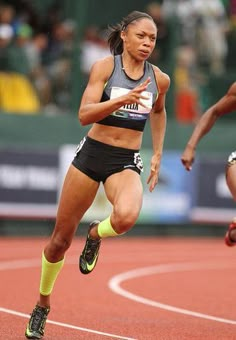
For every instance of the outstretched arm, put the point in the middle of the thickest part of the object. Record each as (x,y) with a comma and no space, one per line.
(225,105)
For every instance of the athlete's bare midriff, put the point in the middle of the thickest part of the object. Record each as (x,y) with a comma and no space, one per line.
(120,137)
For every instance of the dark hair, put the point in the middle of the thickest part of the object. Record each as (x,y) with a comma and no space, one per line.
(114,40)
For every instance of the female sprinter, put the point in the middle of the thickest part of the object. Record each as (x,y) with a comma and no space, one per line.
(123,91)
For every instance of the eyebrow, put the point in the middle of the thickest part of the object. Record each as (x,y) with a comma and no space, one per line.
(144,32)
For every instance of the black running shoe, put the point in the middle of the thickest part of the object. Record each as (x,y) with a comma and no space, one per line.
(89,256)
(35,327)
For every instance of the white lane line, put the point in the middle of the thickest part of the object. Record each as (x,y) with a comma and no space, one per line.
(19,264)
(12,312)
(30,263)
(116,281)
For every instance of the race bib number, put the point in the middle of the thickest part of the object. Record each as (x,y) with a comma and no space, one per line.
(135,108)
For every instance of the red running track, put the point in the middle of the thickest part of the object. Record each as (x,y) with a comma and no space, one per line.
(142,288)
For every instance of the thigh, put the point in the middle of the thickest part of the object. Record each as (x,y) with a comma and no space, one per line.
(77,195)
(125,189)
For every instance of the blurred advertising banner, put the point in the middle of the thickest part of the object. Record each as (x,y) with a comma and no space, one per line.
(31,182)
(28,183)
(170,201)
(211,198)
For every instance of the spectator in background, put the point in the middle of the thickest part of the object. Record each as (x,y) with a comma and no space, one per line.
(34,49)
(231,38)
(6,35)
(7,14)
(57,59)
(15,57)
(211,39)
(232,9)
(93,47)
(185,72)
(16,91)
(160,53)
(183,11)
(187,109)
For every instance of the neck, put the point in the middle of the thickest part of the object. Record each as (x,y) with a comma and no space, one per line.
(132,67)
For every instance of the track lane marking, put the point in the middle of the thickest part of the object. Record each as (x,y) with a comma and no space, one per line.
(115,285)
(66,325)
(30,263)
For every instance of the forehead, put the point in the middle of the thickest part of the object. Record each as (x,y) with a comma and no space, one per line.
(143,24)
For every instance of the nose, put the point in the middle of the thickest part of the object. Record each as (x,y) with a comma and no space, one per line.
(147,42)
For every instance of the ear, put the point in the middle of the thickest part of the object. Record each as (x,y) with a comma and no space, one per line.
(123,35)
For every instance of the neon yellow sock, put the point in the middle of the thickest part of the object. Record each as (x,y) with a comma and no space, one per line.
(105,228)
(49,275)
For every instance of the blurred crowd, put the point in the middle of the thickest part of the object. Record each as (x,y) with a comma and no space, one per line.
(196,39)
(36,53)
(205,46)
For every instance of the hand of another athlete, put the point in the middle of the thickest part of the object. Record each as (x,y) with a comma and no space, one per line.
(187,157)
(135,95)
(154,172)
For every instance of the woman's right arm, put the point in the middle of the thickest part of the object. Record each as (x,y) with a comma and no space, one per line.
(91,109)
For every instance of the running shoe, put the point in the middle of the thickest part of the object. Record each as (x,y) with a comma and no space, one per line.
(228,241)
(89,256)
(36,325)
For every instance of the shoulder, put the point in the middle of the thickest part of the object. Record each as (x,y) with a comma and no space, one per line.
(103,68)
(162,79)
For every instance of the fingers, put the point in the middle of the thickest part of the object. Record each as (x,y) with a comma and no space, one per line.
(137,91)
(146,82)
(152,180)
(187,164)
(143,86)
(136,95)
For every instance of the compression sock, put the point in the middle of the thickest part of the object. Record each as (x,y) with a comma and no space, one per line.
(105,228)
(49,275)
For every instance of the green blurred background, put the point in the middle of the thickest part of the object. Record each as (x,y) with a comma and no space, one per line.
(42,130)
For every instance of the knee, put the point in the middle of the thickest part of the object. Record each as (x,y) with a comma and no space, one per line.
(57,247)
(124,219)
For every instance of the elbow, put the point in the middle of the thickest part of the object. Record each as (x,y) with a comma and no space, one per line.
(82,119)
(82,122)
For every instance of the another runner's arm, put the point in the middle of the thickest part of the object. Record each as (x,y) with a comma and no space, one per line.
(91,109)
(225,105)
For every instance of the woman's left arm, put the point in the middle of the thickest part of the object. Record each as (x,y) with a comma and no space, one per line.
(158,127)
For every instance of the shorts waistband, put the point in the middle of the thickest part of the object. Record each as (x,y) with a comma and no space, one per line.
(109,146)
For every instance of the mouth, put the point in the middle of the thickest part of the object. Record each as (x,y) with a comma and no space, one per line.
(144,53)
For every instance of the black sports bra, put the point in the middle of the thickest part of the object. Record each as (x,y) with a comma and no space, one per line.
(132,116)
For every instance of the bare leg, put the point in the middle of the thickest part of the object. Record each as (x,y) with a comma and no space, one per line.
(77,196)
(124,191)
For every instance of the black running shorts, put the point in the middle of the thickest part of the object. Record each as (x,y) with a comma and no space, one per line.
(99,161)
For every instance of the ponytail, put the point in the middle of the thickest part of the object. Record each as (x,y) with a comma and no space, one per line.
(114,40)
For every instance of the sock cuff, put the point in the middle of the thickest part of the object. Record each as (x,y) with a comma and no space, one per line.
(51,264)
(49,275)
(105,228)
